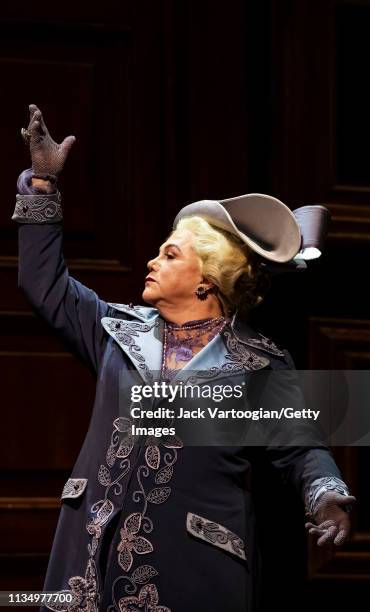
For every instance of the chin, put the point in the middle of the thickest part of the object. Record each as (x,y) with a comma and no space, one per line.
(148,295)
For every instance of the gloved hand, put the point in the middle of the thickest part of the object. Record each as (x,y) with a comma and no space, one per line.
(331,518)
(47,156)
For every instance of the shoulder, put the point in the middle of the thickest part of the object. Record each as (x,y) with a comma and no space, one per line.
(279,357)
(285,361)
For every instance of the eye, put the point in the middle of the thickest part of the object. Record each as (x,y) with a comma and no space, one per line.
(169,255)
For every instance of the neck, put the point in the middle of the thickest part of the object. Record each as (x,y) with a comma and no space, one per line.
(180,315)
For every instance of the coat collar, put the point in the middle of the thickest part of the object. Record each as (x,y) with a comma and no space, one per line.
(245,334)
(139,332)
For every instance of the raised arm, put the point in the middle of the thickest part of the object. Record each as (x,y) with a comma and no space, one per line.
(67,305)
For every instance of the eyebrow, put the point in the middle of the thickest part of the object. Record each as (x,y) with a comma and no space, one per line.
(171,244)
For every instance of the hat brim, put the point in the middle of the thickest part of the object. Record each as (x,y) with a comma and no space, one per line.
(262,222)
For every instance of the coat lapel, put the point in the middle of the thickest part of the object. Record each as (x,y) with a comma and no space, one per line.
(141,339)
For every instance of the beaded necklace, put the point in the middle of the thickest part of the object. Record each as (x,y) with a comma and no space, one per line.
(187,343)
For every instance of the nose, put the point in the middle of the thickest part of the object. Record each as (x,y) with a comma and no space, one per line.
(151,264)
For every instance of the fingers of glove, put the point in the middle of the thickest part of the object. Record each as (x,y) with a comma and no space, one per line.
(316,531)
(67,144)
(344,527)
(33,109)
(309,525)
(326,524)
(321,529)
(311,528)
(35,115)
(37,121)
(346,500)
(341,537)
(35,130)
(38,115)
(328,536)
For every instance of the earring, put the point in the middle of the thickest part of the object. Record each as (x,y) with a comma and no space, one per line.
(202,293)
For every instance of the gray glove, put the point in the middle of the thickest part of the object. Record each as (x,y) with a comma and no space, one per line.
(48,157)
(331,518)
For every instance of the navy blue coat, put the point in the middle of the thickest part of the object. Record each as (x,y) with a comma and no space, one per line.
(161,526)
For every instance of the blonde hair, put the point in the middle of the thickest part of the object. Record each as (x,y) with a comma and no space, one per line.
(229,263)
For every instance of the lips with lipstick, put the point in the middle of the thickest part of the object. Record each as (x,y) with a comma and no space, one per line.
(150,279)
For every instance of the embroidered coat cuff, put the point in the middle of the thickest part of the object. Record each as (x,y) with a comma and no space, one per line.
(320,486)
(38,208)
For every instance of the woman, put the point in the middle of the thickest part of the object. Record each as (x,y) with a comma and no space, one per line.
(151,523)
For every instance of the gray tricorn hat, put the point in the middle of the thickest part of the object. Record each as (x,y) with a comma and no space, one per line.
(267,226)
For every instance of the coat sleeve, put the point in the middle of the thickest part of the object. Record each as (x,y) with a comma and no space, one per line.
(72,309)
(297,448)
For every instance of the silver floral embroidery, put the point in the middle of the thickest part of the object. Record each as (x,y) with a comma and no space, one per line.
(147,600)
(74,487)
(86,590)
(131,541)
(239,356)
(83,591)
(265,344)
(125,333)
(125,443)
(215,533)
(38,208)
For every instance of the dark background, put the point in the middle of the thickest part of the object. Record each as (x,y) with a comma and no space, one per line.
(174,101)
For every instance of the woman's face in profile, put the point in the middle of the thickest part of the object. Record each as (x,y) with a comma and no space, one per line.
(175,273)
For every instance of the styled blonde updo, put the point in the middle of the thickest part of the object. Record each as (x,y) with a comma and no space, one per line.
(228,263)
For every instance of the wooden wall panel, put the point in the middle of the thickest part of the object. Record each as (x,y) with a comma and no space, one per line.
(344,344)
(321,56)
(319,59)
(85,91)
(38,377)
(208,92)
